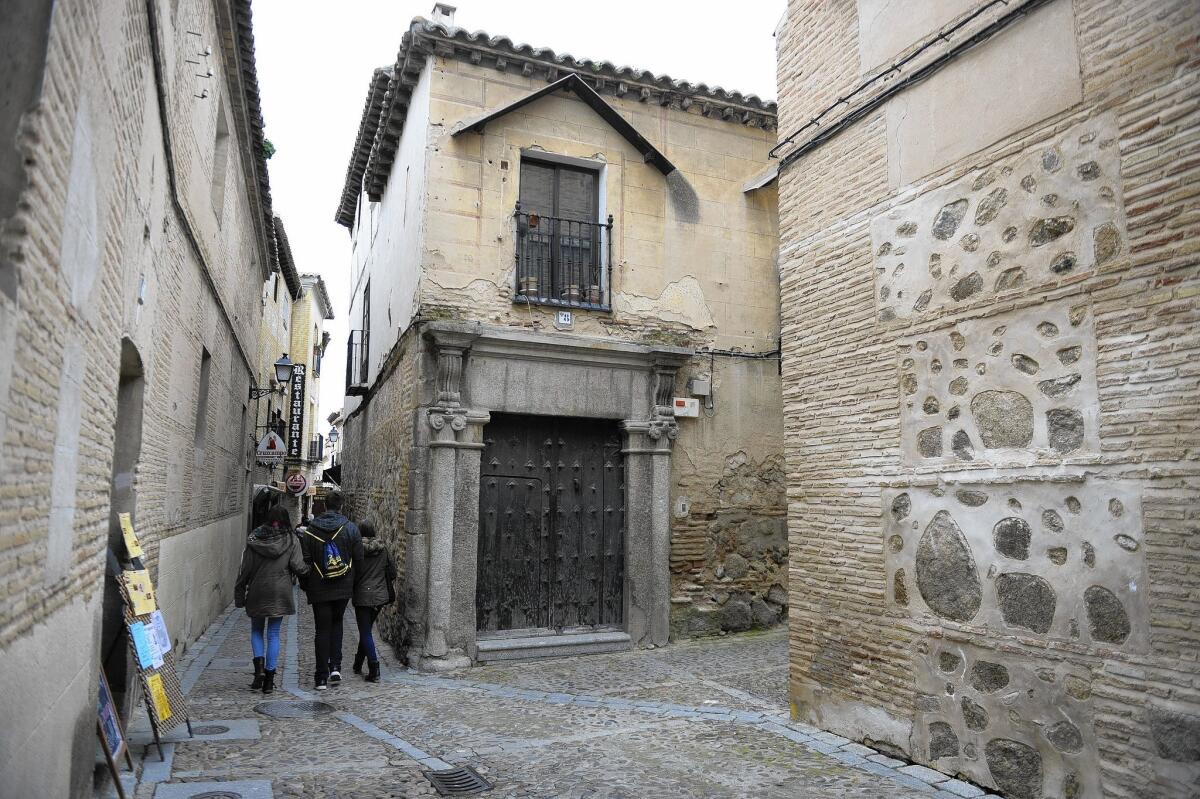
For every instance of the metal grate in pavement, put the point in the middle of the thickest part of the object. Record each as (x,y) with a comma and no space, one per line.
(210,729)
(457,781)
(288,709)
(216,795)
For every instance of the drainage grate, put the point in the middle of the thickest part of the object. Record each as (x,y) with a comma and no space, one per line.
(287,709)
(210,729)
(216,795)
(457,781)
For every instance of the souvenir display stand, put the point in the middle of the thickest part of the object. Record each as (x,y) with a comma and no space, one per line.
(153,654)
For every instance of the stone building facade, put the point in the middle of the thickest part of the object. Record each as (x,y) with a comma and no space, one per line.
(308,342)
(989,320)
(135,223)
(465,381)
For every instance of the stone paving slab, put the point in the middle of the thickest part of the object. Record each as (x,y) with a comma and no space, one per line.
(246,789)
(204,730)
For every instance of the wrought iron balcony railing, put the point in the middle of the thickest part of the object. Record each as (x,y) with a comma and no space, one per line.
(564,262)
(357,352)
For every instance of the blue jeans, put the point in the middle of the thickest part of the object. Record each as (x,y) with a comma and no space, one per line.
(272,626)
(366,641)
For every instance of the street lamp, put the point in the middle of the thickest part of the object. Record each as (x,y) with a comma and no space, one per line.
(283,373)
(283,369)
(333,436)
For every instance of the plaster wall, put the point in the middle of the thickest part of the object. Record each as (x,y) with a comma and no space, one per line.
(1028,73)
(693,256)
(897,319)
(101,254)
(64,696)
(274,339)
(389,236)
(887,28)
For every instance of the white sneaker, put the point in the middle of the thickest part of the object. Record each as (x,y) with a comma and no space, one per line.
(335,676)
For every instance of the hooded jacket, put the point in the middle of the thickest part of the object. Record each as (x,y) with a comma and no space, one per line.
(264,582)
(376,573)
(312,541)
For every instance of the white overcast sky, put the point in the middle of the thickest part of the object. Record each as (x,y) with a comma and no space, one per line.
(315,59)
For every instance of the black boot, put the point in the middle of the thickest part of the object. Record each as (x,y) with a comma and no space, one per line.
(373,671)
(268,683)
(258,675)
(359,657)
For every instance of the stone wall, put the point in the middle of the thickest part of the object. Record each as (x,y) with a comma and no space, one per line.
(729,547)
(377,459)
(990,400)
(101,252)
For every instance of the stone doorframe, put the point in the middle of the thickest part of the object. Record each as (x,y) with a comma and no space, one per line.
(469,371)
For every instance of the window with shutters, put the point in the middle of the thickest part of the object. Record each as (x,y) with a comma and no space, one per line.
(562,247)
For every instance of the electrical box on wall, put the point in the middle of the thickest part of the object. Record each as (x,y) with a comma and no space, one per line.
(699,387)
(686,406)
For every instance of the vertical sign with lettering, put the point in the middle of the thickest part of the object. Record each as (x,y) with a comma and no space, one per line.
(295,439)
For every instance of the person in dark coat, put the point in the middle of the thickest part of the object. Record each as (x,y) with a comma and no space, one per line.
(264,588)
(373,589)
(332,547)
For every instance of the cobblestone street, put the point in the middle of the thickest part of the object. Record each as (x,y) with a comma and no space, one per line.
(703,718)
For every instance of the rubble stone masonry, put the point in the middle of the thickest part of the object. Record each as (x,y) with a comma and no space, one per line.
(109,289)
(990,307)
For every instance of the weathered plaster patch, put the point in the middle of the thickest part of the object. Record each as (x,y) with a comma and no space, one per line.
(1045,214)
(1032,736)
(1016,386)
(682,301)
(1032,558)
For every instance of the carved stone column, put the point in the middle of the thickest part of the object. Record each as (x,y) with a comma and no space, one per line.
(648,514)
(449,487)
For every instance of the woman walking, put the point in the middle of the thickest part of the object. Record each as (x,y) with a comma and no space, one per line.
(264,588)
(372,591)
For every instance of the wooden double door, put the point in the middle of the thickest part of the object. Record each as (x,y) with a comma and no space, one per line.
(551,525)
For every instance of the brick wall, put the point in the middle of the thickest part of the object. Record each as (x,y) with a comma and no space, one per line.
(879,656)
(101,255)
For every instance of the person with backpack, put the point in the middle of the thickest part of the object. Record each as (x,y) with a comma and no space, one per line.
(373,589)
(264,588)
(332,546)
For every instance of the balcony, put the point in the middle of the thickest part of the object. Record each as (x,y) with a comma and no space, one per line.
(357,352)
(316,450)
(563,262)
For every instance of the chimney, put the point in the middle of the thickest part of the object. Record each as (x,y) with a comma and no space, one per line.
(443,14)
